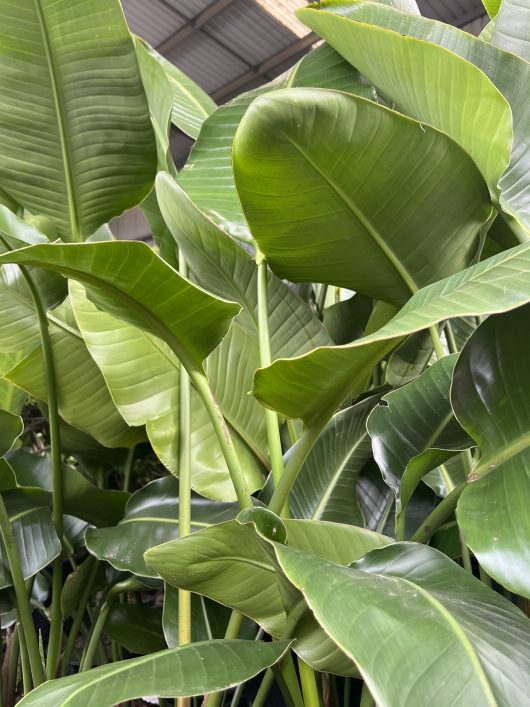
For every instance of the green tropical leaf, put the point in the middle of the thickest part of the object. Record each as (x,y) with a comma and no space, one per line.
(12,399)
(326,487)
(120,277)
(511,28)
(11,427)
(363,227)
(35,537)
(443,622)
(412,421)
(135,627)
(145,390)
(81,499)
(492,6)
(179,672)
(490,395)
(84,399)
(208,618)
(475,113)
(230,564)
(151,518)
(80,69)
(190,104)
(312,386)
(207,176)
(509,73)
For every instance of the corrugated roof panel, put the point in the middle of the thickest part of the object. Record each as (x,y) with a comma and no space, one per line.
(188,8)
(251,31)
(206,61)
(156,24)
(477,25)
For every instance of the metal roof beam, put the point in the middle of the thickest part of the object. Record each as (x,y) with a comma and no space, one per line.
(193,25)
(469,17)
(265,66)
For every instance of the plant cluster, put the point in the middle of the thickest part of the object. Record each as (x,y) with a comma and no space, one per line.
(295,436)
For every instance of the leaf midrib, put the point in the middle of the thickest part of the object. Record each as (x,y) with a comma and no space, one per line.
(73,207)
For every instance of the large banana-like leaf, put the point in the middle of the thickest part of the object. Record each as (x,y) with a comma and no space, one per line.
(351,210)
(83,397)
(35,537)
(313,386)
(509,73)
(207,176)
(512,24)
(81,150)
(229,563)
(151,518)
(199,668)
(190,104)
(146,391)
(11,427)
(492,6)
(490,394)
(130,281)
(474,112)
(428,620)
(326,487)
(416,420)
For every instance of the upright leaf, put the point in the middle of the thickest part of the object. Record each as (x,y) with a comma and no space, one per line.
(512,25)
(81,150)
(336,211)
(490,394)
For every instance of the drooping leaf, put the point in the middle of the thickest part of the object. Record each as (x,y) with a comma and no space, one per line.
(179,672)
(128,280)
(207,176)
(137,628)
(82,149)
(412,421)
(146,391)
(81,499)
(333,211)
(35,537)
(326,487)
(474,112)
(151,518)
(440,620)
(509,73)
(190,105)
(83,397)
(314,385)
(490,395)
(229,563)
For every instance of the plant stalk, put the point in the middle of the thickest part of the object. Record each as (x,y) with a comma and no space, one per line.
(127,469)
(438,516)
(309,684)
(78,617)
(26,625)
(184,596)
(56,616)
(200,383)
(271,417)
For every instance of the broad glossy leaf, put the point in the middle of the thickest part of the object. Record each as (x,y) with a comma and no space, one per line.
(347,320)
(509,73)
(429,619)
(208,618)
(83,397)
(12,398)
(191,105)
(335,211)
(145,388)
(151,518)
(409,359)
(86,131)
(219,264)
(230,564)
(11,427)
(314,385)
(490,394)
(191,670)
(207,175)
(130,281)
(35,537)
(512,24)
(138,628)
(492,6)
(474,112)
(326,487)
(81,499)
(416,420)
